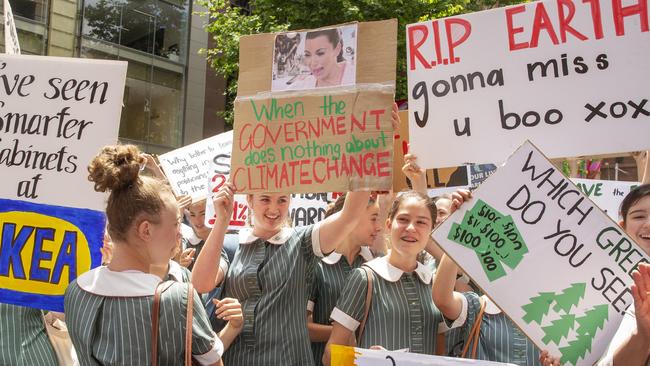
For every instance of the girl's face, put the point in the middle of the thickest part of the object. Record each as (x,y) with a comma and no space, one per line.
(637,223)
(320,56)
(196,216)
(443,206)
(411,227)
(369,227)
(166,233)
(270,211)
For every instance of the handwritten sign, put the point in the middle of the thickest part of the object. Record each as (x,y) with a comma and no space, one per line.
(607,194)
(564,74)
(187,168)
(321,142)
(555,264)
(352,356)
(55,115)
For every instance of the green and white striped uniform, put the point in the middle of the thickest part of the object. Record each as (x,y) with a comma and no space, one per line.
(402,314)
(499,339)
(271,280)
(23,339)
(108,315)
(330,278)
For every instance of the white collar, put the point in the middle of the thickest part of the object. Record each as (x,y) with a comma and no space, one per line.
(189,234)
(104,282)
(382,267)
(175,271)
(490,307)
(246,236)
(335,257)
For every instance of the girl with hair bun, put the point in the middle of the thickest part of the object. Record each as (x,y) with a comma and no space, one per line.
(109,309)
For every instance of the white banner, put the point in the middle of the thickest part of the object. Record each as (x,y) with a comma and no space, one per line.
(352,356)
(187,168)
(12,46)
(607,194)
(553,262)
(565,74)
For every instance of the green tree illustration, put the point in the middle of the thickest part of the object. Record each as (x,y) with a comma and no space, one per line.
(558,329)
(538,307)
(576,349)
(593,320)
(569,297)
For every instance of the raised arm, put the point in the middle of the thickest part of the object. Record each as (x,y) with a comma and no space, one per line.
(207,272)
(446,299)
(338,226)
(340,335)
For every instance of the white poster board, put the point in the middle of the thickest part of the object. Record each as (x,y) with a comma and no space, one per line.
(353,356)
(546,255)
(563,74)
(187,168)
(607,194)
(56,114)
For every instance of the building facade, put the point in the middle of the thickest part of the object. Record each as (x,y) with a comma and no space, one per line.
(171,95)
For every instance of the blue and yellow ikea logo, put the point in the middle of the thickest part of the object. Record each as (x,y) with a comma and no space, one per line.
(43,248)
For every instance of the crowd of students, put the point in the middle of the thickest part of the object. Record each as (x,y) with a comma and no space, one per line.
(287,294)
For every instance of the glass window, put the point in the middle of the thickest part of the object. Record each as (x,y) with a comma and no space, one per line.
(30,9)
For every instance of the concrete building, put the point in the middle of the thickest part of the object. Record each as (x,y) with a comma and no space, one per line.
(171,95)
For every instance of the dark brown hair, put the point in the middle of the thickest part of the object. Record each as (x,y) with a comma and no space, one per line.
(633,197)
(428,202)
(333,36)
(340,201)
(116,169)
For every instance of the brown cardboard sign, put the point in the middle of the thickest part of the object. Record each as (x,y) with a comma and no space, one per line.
(374,56)
(324,141)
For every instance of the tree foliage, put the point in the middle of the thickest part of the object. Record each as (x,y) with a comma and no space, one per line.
(229,20)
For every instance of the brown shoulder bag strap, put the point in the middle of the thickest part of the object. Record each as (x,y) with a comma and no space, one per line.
(362,326)
(155,311)
(188,324)
(475,331)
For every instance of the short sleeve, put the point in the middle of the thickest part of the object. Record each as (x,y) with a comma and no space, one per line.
(627,327)
(310,241)
(456,337)
(207,348)
(313,292)
(350,306)
(448,324)
(224,264)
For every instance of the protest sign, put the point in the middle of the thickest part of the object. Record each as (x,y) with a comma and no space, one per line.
(187,168)
(480,172)
(352,356)
(606,194)
(12,46)
(565,74)
(338,138)
(55,115)
(553,262)
(400,148)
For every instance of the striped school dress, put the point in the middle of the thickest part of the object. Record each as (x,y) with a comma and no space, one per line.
(270,278)
(402,314)
(108,315)
(499,339)
(23,339)
(330,278)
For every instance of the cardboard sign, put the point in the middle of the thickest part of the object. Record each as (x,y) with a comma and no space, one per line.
(187,168)
(322,142)
(607,194)
(353,356)
(547,256)
(400,148)
(12,46)
(565,74)
(55,115)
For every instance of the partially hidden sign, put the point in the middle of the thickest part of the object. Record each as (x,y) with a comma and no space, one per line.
(565,74)
(607,194)
(547,256)
(352,356)
(330,133)
(55,115)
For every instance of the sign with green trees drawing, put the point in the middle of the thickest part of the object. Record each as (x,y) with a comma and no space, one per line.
(559,267)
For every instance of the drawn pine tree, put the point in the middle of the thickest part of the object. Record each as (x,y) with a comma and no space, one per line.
(569,297)
(558,329)
(576,349)
(538,307)
(593,320)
